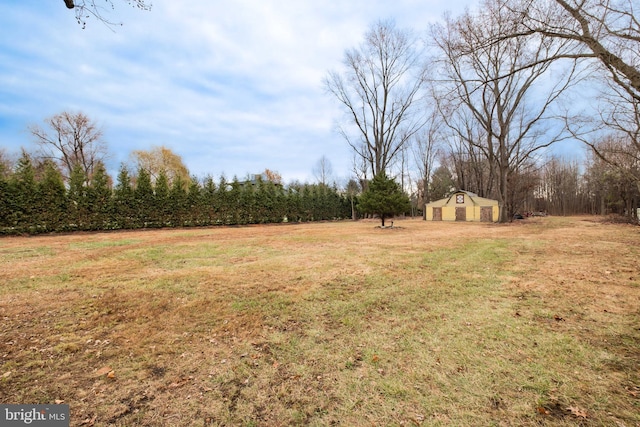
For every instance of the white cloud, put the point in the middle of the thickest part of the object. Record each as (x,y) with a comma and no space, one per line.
(233,87)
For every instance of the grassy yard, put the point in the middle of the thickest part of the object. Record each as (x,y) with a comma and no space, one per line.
(535,323)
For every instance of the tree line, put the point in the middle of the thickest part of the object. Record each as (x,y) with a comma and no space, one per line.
(36,198)
(479,99)
(475,102)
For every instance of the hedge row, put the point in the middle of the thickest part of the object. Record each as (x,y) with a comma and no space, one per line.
(39,201)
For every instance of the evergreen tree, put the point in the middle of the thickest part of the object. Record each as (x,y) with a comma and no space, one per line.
(384,198)
(307,203)
(441,184)
(51,209)
(233,203)
(5,208)
(100,199)
(195,204)
(124,200)
(224,210)
(246,203)
(23,192)
(78,201)
(144,198)
(209,201)
(178,202)
(293,202)
(162,209)
(276,203)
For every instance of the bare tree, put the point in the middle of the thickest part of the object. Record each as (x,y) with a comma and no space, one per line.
(273,176)
(71,139)
(352,190)
(613,173)
(489,97)
(379,90)
(425,150)
(561,189)
(86,8)
(620,118)
(323,170)
(5,164)
(606,33)
(605,30)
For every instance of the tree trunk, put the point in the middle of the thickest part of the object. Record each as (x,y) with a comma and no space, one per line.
(353,210)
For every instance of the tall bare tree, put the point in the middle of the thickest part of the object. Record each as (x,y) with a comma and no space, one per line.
(425,150)
(508,105)
(379,90)
(71,139)
(323,170)
(613,174)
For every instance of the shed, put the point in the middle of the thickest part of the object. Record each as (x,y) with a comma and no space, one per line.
(463,206)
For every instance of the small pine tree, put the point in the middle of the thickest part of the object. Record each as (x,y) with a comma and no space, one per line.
(384,198)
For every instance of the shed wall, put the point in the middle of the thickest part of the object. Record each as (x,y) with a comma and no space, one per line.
(473,208)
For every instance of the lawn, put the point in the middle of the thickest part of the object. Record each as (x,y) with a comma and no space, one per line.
(535,323)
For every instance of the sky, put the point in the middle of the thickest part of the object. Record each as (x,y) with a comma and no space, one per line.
(232,87)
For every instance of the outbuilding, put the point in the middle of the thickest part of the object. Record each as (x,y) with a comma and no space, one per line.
(463,206)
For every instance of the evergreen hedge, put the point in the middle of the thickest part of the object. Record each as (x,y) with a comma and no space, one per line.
(37,201)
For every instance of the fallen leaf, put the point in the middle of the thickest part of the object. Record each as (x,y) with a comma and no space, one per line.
(59,401)
(577,411)
(6,374)
(179,383)
(111,375)
(89,421)
(103,371)
(542,410)
(375,358)
(558,318)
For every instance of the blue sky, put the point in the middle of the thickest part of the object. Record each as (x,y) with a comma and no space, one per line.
(233,87)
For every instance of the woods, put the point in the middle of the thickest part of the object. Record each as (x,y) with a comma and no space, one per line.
(493,97)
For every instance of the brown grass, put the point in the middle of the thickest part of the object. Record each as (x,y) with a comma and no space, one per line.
(531,323)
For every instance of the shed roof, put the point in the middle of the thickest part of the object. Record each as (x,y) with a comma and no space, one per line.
(475,199)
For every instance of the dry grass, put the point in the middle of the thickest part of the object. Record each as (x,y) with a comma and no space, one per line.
(532,323)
